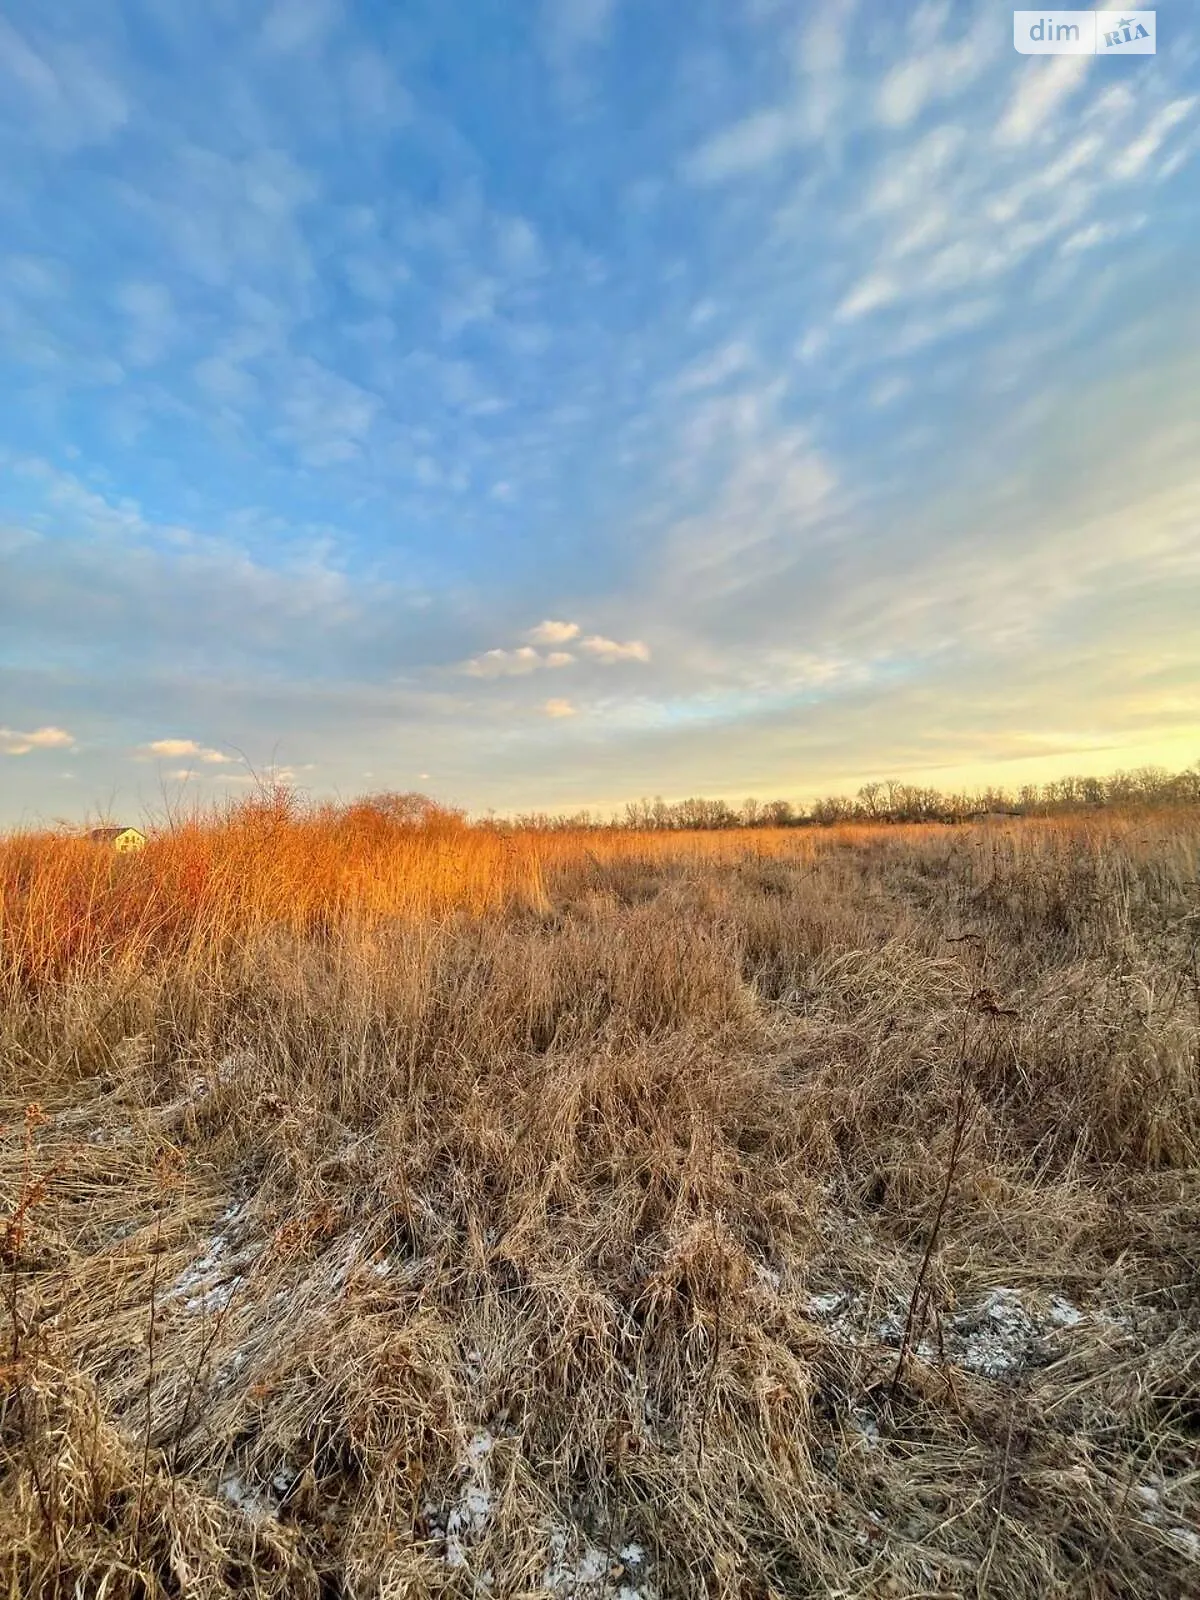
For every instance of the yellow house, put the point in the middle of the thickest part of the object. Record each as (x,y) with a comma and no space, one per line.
(119,838)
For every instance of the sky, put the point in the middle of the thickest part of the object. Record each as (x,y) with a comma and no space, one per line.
(545,405)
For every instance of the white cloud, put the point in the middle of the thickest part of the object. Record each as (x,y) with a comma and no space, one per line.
(558,708)
(513,663)
(224,381)
(524,659)
(519,248)
(235,223)
(712,371)
(949,213)
(1135,156)
(821,50)
(814,344)
(503,663)
(758,483)
(39,276)
(59,82)
(1042,86)
(575,25)
(154,327)
(909,175)
(550,632)
(610,650)
(173,747)
(372,93)
(875,290)
(935,71)
(1098,233)
(746,146)
(328,417)
(188,747)
(297,24)
(918,332)
(812,112)
(904,92)
(888,390)
(14,743)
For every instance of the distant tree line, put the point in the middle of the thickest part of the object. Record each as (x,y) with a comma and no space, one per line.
(891,801)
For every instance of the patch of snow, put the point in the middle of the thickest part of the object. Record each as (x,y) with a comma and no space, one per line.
(768,1276)
(865,1425)
(247,1500)
(994,1337)
(578,1568)
(462,1523)
(1062,1313)
(573,1574)
(1157,1515)
(113,1135)
(261,1501)
(351,1253)
(211,1281)
(218,1298)
(870,1529)
(200,1088)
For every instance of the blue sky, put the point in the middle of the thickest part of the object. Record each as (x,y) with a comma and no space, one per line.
(544,405)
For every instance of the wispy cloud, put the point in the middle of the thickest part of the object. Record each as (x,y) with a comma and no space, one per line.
(811,112)
(868,294)
(1136,156)
(327,417)
(1041,90)
(14,743)
(56,80)
(297,24)
(153,323)
(938,68)
(574,25)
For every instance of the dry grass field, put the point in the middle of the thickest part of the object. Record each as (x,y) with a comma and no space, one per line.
(427,1210)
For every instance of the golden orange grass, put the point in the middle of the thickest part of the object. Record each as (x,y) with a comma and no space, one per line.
(359,1143)
(68,906)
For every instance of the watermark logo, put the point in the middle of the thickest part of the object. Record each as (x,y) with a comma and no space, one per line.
(1084,33)
(1125,34)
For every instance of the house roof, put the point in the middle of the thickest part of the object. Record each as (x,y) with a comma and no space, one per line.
(104,835)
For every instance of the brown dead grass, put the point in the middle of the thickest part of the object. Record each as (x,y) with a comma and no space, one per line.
(426,1211)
